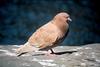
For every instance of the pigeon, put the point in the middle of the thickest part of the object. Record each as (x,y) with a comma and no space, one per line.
(47,36)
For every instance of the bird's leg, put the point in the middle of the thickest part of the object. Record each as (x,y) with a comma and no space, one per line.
(50,53)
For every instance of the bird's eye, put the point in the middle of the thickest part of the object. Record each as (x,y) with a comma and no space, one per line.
(67,17)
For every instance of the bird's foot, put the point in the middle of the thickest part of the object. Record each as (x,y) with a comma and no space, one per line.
(50,53)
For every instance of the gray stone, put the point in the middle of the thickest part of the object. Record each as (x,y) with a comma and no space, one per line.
(66,56)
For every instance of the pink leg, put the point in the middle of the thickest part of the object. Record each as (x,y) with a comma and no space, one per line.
(50,53)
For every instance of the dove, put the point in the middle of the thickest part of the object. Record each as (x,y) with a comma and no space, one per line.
(47,36)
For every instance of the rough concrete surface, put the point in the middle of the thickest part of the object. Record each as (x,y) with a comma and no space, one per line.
(66,56)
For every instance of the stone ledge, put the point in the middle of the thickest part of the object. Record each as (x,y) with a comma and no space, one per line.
(67,56)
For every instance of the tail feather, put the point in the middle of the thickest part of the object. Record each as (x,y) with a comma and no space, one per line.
(26,48)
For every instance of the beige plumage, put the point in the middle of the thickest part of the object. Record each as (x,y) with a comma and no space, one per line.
(47,36)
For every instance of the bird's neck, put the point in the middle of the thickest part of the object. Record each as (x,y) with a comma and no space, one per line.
(63,26)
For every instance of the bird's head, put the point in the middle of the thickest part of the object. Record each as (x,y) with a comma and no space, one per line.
(63,17)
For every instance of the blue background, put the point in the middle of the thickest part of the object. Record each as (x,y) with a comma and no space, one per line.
(20,18)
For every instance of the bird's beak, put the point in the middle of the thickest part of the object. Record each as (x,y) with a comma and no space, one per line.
(69,19)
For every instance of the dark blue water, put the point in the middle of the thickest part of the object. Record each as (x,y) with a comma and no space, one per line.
(20,18)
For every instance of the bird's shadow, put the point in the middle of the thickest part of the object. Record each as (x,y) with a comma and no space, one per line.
(64,52)
(57,53)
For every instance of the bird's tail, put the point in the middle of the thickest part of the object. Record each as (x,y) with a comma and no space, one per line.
(25,49)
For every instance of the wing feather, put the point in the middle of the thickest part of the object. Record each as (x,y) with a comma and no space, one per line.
(44,36)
